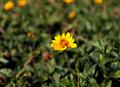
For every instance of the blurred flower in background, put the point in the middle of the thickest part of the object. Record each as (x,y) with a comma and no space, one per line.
(46,55)
(30,35)
(8,6)
(62,42)
(21,3)
(68,1)
(72,14)
(98,1)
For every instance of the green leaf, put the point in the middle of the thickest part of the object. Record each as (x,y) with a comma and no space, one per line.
(6,72)
(3,60)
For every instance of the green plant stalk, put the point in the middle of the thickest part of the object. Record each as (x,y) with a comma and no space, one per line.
(67,60)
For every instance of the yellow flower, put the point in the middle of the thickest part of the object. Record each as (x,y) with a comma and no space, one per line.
(62,42)
(68,1)
(8,6)
(22,3)
(30,35)
(98,1)
(71,14)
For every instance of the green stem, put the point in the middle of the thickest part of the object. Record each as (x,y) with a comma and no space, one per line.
(67,60)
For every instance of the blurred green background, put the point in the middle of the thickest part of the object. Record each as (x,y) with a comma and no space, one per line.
(27,60)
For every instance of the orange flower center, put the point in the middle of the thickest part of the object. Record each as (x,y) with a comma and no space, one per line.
(63,43)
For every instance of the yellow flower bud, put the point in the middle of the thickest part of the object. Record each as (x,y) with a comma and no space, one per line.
(22,3)
(8,6)
(30,35)
(98,1)
(68,1)
(72,14)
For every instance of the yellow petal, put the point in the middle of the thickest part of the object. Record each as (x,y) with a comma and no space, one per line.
(63,35)
(73,45)
(68,35)
(57,37)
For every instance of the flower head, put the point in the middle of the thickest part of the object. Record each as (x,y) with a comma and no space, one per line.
(46,55)
(71,14)
(21,3)
(8,6)
(62,42)
(30,35)
(68,1)
(98,1)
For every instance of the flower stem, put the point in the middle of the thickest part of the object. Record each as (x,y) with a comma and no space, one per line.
(67,60)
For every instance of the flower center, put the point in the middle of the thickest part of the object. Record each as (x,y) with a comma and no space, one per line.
(63,43)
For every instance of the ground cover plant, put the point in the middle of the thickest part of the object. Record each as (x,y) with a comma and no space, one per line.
(59,43)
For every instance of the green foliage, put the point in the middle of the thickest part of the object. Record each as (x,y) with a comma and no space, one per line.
(27,60)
